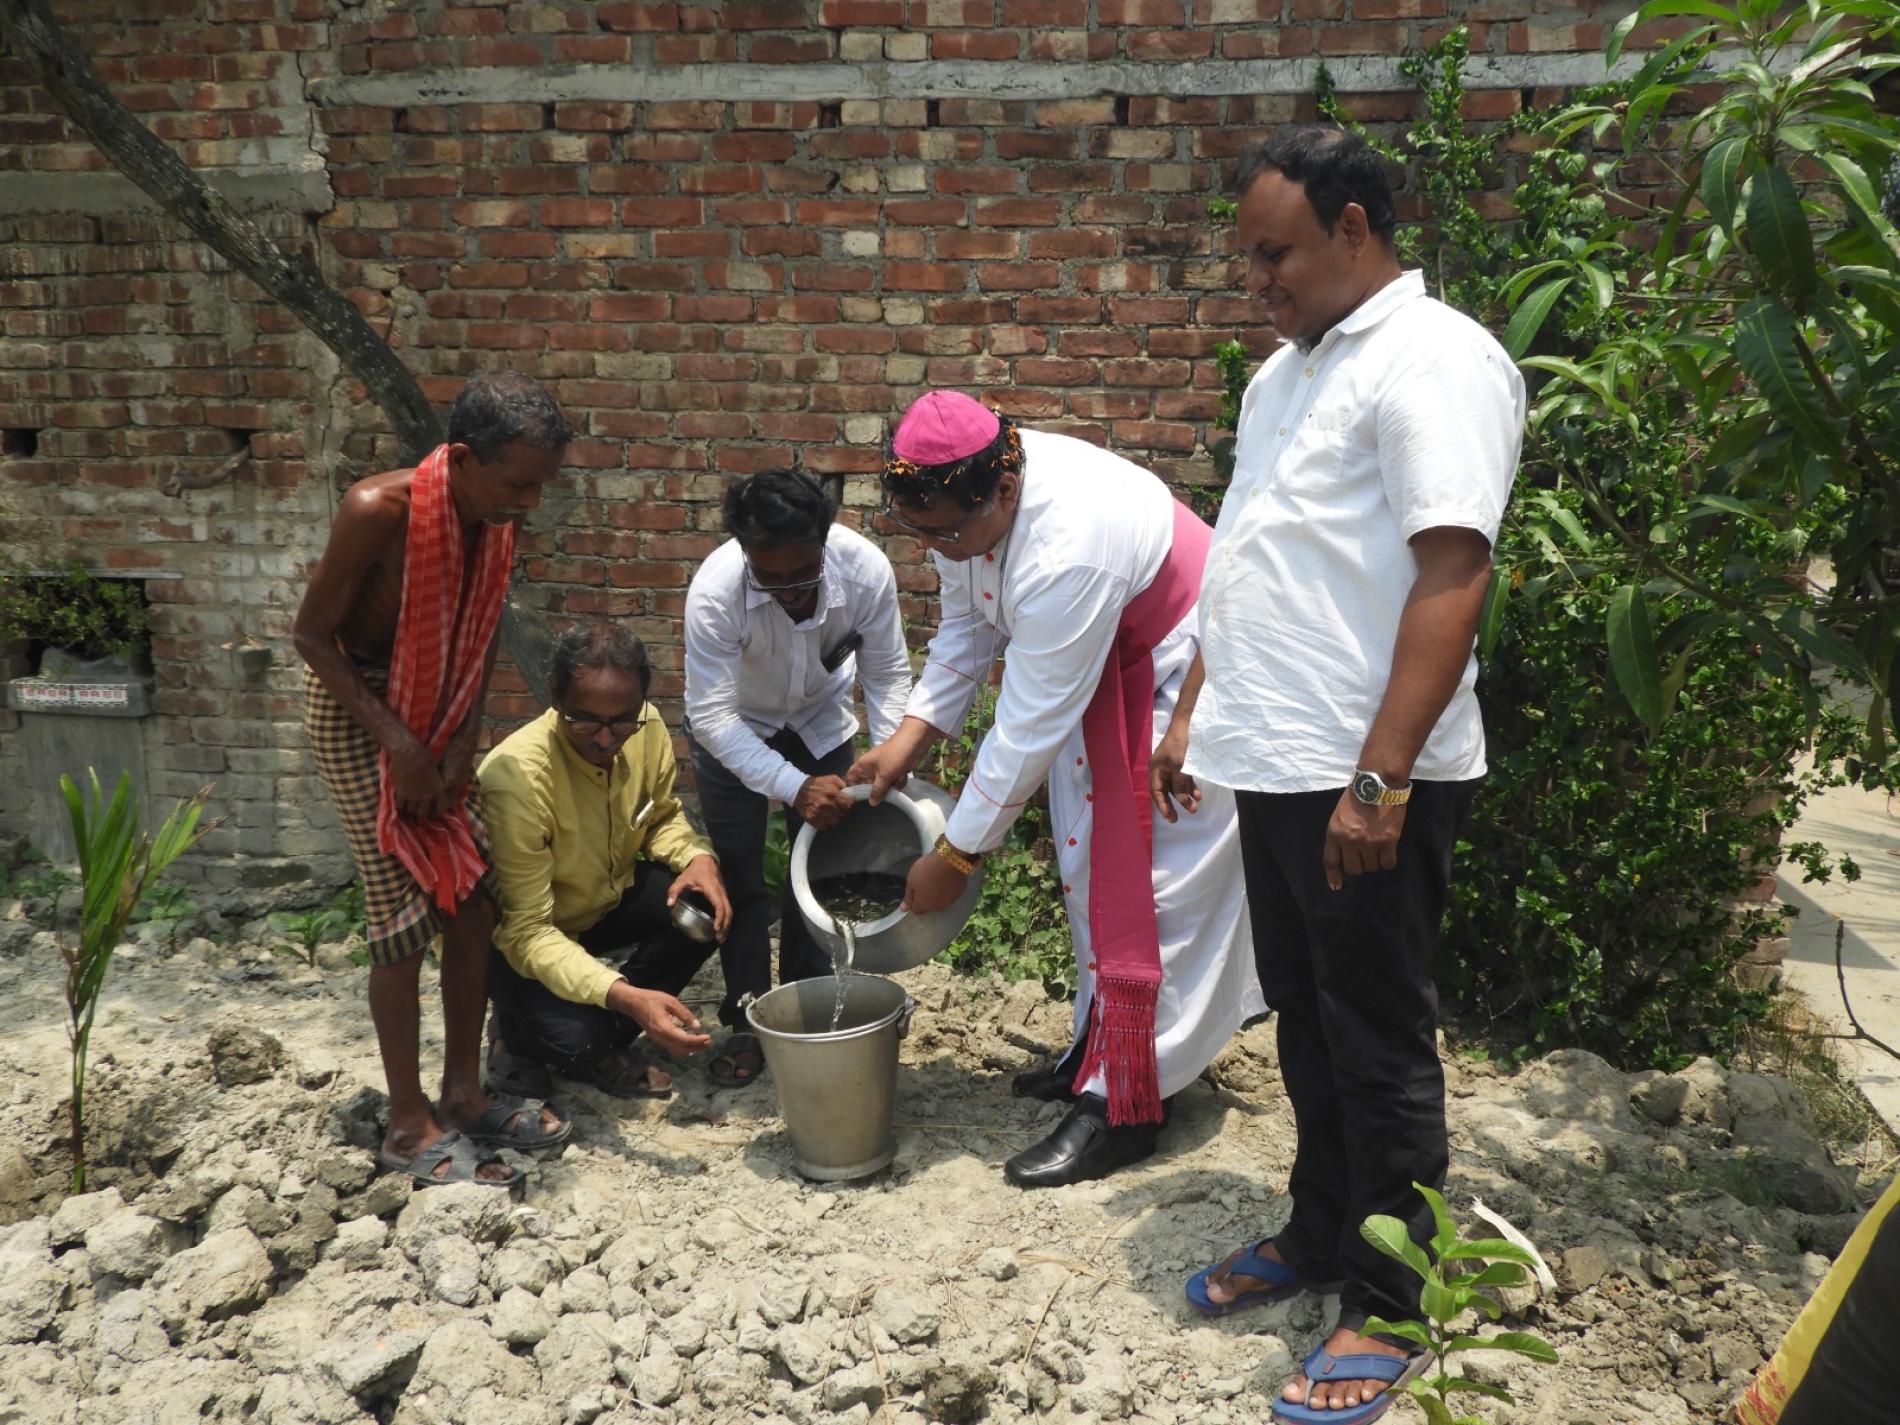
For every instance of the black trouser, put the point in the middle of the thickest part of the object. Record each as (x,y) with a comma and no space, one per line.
(735,823)
(538,1024)
(1349,975)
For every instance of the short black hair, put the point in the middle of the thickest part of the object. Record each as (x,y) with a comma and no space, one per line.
(779,507)
(597,645)
(969,481)
(491,411)
(1335,167)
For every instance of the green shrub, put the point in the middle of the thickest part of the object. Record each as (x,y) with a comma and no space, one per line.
(85,615)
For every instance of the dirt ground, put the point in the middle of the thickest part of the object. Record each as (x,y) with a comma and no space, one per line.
(238,1261)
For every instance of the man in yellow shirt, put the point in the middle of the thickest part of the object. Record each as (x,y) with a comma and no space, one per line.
(591,848)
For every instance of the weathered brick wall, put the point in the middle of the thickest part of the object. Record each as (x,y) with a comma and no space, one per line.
(728,235)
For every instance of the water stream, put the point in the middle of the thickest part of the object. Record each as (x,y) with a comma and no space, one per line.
(841,965)
(854,899)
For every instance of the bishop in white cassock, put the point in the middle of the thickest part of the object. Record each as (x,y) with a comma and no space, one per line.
(1087,570)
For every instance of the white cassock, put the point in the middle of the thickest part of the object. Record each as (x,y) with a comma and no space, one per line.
(1090,534)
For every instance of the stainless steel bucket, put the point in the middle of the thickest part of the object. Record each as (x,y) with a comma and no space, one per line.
(835,1087)
(883,838)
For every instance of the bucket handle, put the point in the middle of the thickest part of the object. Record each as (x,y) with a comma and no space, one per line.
(903,1017)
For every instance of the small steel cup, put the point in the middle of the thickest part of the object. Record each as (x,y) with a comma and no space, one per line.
(693,914)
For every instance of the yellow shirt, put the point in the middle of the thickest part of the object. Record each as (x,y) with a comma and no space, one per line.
(566,835)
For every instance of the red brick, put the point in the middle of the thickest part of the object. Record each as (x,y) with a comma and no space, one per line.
(838,212)
(844,14)
(1018,276)
(686,114)
(1359,39)
(1019,213)
(661,212)
(923,277)
(638,15)
(1171,44)
(1045,14)
(975,44)
(1170,13)
(498,118)
(1052,371)
(594,115)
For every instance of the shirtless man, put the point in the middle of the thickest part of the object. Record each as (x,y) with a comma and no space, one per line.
(505,441)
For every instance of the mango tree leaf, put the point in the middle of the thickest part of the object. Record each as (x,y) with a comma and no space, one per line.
(1440,1302)
(1633,656)
(1412,1331)
(1778,232)
(1497,1274)
(1721,183)
(1765,347)
(1520,1343)
(1389,1236)
(1858,276)
(1863,201)
(1489,1249)
(1821,642)
(1530,316)
(1444,1230)
(1491,617)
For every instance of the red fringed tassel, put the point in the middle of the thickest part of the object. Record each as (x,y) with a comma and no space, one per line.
(1122,1045)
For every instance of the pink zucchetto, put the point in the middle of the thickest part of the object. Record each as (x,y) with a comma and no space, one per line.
(942,426)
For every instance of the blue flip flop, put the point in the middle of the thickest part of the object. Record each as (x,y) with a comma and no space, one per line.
(1395,1371)
(1285,1283)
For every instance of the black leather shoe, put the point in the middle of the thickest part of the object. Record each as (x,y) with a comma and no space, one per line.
(1082,1147)
(1054,1084)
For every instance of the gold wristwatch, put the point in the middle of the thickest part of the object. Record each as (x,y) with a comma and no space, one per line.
(961,862)
(1370,789)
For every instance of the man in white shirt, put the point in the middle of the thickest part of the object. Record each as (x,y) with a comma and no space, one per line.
(1335,694)
(1087,568)
(780,620)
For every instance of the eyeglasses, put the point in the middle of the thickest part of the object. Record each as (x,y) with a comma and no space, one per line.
(622,727)
(948,534)
(797,586)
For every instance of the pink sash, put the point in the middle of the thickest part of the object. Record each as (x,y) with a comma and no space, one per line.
(1118,734)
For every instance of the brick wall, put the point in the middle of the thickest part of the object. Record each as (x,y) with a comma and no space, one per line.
(728,235)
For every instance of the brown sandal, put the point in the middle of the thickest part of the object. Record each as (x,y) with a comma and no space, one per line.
(745,1055)
(620,1074)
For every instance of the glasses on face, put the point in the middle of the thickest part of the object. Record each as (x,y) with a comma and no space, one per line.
(797,586)
(947,534)
(620,727)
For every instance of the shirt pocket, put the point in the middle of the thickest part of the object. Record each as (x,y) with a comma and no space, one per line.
(1310,460)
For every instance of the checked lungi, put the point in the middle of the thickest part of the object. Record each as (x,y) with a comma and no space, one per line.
(403,918)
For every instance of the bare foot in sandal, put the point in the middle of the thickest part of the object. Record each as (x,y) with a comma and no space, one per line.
(444,1156)
(738,1063)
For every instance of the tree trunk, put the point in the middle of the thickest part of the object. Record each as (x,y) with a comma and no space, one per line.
(66,74)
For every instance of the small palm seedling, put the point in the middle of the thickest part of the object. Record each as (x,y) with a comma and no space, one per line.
(117,863)
(1454,1279)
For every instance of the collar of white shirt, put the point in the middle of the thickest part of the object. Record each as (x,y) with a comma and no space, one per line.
(1380,305)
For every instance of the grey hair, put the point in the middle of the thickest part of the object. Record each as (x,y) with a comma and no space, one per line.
(491,411)
(597,645)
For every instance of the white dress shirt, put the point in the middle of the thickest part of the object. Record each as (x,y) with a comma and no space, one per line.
(1406,416)
(1089,534)
(751,671)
